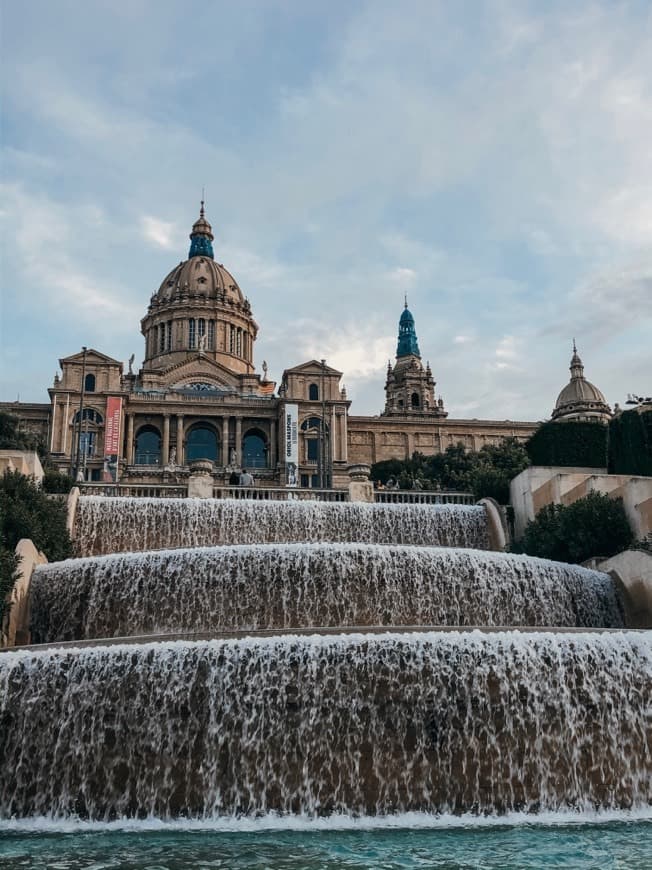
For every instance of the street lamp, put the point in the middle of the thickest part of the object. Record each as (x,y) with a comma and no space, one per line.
(323,470)
(80,413)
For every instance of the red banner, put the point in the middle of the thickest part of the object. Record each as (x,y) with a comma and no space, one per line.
(112,429)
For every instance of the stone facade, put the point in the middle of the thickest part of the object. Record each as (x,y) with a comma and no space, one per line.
(198,396)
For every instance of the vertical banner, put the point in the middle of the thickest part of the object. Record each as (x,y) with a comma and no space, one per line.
(291,429)
(112,439)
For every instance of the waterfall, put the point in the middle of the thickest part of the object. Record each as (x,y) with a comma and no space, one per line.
(286,586)
(113,525)
(362,724)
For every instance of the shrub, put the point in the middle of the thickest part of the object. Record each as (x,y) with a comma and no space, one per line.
(55,482)
(592,526)
(27,512)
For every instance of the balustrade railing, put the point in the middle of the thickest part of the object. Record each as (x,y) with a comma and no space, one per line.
(134,490)
(272,493)
(416,496)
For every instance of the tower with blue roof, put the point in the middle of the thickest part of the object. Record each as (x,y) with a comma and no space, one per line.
(410,388)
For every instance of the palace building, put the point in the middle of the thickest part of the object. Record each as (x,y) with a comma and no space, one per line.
(198,396)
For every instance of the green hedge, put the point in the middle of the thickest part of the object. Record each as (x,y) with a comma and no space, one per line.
(572,444)
(630,443)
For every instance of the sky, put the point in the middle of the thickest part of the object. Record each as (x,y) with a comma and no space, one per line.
(491,160)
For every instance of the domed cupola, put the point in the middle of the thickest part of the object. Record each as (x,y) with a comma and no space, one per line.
(580,400)
(407,336)
(199,307)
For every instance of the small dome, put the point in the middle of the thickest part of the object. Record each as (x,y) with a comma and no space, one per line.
(580,398)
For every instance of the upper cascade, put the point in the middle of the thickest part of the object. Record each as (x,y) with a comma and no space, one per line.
(201,237)
(407,336)
(580,399)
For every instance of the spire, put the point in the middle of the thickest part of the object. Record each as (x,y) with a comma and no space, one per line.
(407,336)
(576,366)
(201,236)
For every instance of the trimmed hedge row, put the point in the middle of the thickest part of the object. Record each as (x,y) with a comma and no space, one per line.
(630,443)
(571,444)
(624,446)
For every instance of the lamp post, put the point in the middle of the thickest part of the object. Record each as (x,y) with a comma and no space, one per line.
(80,414)
(323,476)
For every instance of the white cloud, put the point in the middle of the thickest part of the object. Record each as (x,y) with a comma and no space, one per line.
(163,234)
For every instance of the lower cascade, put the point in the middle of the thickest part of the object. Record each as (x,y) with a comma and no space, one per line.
(339,658)
(437,722)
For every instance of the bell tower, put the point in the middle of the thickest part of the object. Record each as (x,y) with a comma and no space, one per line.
(410,389)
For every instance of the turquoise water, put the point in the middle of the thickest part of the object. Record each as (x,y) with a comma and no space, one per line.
(454,846)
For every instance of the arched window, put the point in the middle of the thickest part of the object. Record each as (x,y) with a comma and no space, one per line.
(313,393)
(89,415)
(254,449)
(201,443)
(89,384)
(414,399)
(148,446)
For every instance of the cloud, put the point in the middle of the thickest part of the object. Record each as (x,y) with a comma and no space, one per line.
(45,237)
(163,234)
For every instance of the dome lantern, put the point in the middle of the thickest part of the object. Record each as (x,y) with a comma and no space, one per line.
(201,237)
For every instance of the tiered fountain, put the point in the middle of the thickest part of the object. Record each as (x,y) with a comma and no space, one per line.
(219,658)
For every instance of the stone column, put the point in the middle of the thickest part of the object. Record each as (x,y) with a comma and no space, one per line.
(335,439)
(272,444)
(226,459)
(238,441)
(180,457)
(130,439)
(165,456)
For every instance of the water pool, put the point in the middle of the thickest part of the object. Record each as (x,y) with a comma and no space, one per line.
(454,844)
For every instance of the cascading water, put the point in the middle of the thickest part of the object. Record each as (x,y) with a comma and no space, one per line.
(371,723)
(286,586)
(114,525)
(364,724)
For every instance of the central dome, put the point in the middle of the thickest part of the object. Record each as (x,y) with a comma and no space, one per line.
(200,275)
(199,308)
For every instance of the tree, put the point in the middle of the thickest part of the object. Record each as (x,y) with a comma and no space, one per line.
(11,437)
(485,473)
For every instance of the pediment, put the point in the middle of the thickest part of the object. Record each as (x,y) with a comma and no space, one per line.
(312,367)
(200,370)
(93,357)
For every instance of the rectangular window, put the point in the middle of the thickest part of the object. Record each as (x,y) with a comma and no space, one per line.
(238,347)
(161,337)
(231,339)
(304,481)
(168,335)
(87,443)
(201,327)
(211,335)
(313,449)
(192,335)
